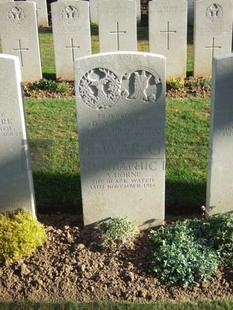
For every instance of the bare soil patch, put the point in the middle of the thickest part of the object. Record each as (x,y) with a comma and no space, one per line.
(73,266)
(191,87)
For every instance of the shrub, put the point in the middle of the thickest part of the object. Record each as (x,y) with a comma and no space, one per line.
(182,258)
(20,235)
(45,84)
(191,250)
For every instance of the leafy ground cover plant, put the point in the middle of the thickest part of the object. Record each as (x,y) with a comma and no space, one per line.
(20,235)
(117,229)
(49,85)
(189,251)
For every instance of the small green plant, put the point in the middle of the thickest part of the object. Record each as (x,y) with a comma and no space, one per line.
(62,88)
(175,83)
(20,235)
(45,84)
(191,250)
(221,228)
(117,229)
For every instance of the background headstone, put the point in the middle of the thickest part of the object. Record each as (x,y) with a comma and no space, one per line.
(16,184)
(94,10)
(117,25)
(168,33)
(71,33)
(121,128)
(212,33)
(20,36)
(220,174)
(42,12)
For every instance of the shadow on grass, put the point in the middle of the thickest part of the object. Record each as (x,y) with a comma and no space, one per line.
(62,193)
(184,199)
(49,76)
(57,192)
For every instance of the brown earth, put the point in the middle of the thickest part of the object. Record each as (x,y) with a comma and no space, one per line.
(187,88)
(72,265)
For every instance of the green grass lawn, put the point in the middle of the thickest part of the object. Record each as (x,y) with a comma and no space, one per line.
(102,305)
(52,124)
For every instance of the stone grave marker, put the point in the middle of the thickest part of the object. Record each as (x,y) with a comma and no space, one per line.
(16,184)
(168,33)
(220,173)
(20,37)
(94,10)
(71,32)
(212,33)
(42,12)
(121,128)
(117,25)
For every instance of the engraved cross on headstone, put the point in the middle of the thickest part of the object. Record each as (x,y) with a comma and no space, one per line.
(72,47)
(167,32)
(21,49)
(118,33)
(213,48)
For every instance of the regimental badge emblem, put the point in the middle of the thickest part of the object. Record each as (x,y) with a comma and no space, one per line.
(214,12)
(141,86)
(70,14)
(16,15)
(100,88)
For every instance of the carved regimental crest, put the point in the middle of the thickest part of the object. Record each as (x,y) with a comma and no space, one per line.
(99,88)
(214,12)
(16,15)
(141,86)
(70,14)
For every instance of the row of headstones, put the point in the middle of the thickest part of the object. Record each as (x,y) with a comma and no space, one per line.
(118,31)
(120,100)
(42,11)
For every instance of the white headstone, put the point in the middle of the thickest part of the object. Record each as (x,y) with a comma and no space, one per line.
(220,174)
(20,36)
(16,184)
(168,33)
(71,33)
(117,25)
(42,12)
(212,33)
(121,128)
(94,10)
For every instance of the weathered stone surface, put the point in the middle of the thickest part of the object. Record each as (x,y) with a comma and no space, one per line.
(212,33)
(117,25)
(220,174)
(168,33)
(20,37)
(71,32)
(16,184)
(121,129)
